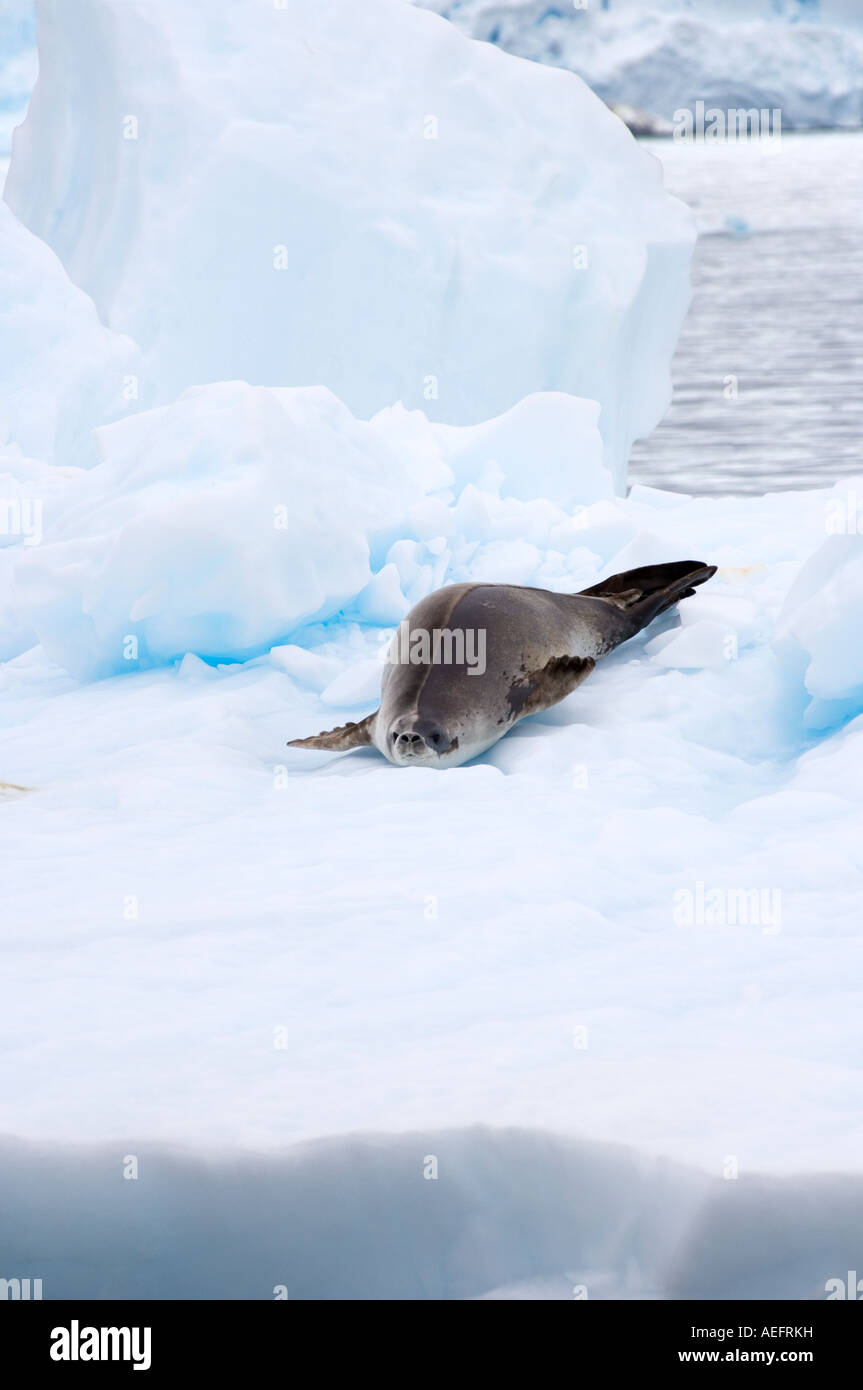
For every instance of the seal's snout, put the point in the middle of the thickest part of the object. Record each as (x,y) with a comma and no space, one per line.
(409,743)
(422,739)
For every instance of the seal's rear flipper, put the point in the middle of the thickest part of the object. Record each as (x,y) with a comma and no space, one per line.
(340,740)
(647,592)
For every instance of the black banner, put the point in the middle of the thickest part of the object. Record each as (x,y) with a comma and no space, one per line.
(221,1339)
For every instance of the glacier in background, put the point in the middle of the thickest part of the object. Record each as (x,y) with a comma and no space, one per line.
(804,57)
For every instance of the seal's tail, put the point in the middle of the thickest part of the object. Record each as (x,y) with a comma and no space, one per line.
(645,593)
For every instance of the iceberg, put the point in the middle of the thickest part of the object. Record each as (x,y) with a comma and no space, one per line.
(62,373)
(18,68)
(353,196)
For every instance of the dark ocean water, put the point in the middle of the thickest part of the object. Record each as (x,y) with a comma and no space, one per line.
(777,306)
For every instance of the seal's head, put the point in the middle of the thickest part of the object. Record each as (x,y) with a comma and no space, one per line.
(410,742)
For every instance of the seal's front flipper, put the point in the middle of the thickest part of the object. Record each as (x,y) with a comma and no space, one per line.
(340,740)
(548,686)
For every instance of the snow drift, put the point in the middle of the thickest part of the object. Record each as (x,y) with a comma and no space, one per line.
(818,628)
(352,196)
(241,516)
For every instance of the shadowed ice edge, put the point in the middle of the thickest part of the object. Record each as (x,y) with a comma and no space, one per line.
(512,1213)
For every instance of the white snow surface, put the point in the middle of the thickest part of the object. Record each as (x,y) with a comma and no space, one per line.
(433,222)
(238,942)
(804,57)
